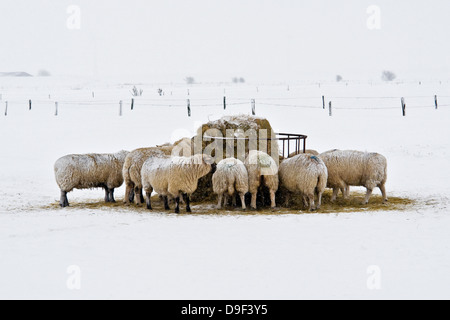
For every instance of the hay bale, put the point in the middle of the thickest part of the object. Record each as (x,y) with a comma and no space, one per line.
(234,130)
(233,136)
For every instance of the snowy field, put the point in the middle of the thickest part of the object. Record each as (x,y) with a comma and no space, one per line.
(95,253)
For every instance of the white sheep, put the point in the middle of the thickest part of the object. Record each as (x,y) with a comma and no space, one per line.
(305,174)
(355,168)
(88,172)
(262,171)
(136,159)
(231,177)
(174,176)
(132,172)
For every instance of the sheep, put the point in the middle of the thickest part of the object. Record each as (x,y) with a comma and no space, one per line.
(132,172)
(174,176)
(262,170)
(355,168)
(308,151)
(89,171)
(231,177)
(136,159)
(344,188)
(305,174)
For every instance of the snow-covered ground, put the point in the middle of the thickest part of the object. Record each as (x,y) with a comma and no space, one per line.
(121,253)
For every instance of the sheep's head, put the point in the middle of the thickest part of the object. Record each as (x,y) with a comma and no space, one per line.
(204,164)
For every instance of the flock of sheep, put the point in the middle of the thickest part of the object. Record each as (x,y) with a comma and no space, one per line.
(176,178)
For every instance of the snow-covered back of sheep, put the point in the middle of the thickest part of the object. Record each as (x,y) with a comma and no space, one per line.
(230,178)
(305,174)
(262,170)
(307,151)
(89,171)
(174,176)
(355,168)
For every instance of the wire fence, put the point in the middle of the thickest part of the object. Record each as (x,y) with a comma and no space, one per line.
(299,102)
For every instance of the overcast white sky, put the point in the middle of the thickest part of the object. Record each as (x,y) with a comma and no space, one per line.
(216,39)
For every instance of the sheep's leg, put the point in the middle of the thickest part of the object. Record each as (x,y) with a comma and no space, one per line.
(234,200)
(305,201)
(188,204)
(219,205)
(141,195)
(311,202)
(149,200)
(335,194)
(383,192)
(368,195)
(242,195)
(343,191)
(347,192)
(111,196)
(137,199)
(66,201)
(138,196)
(166,203)
(253,203)
(177,201)
(319,204)
(272,199)
(126,199)
(106,194)
(63,202)
(128,190)
(131,196)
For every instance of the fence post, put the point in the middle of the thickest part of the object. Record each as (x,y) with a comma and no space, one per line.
(403,107)
(132,104)
(331,109)
(6,108)
(323,102)
(254,107)
(225,103)
(189,107)
(56,109)
(120,107)
(436,101)
(29,104)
